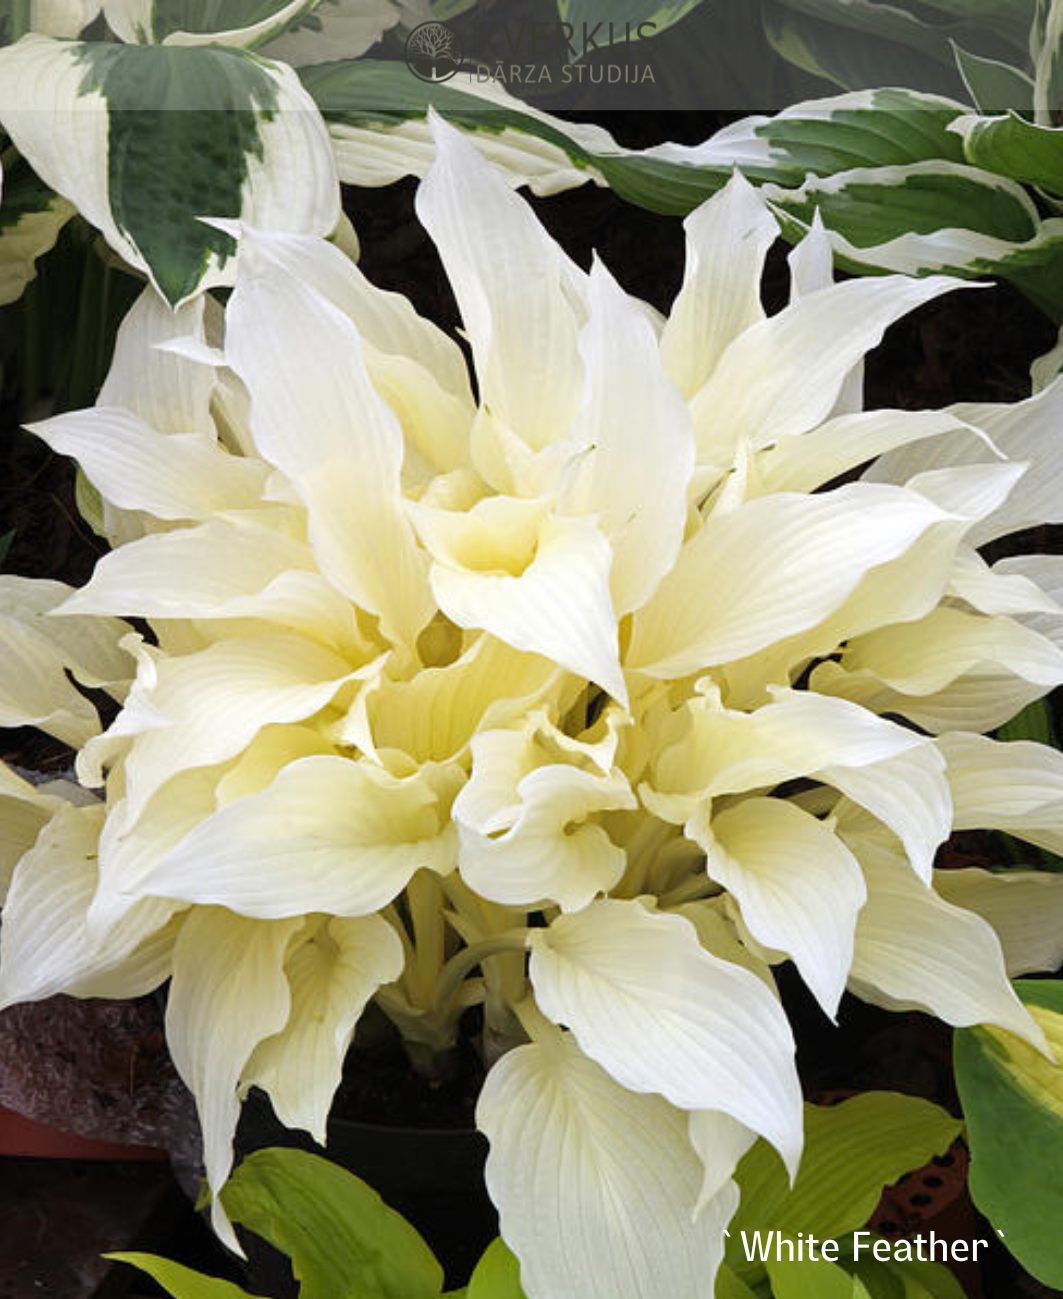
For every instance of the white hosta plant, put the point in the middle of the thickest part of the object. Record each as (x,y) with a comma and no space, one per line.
(580,695)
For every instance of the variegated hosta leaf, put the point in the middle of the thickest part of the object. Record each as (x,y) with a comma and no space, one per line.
(31,217)
(246,23)
(145,140)
(582,1220)
(1012,1100)
(1012,146)
(704,1033)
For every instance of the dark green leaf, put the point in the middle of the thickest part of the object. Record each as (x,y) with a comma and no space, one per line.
(5,545)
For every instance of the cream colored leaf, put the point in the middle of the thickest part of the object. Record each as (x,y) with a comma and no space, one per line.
(332,974)
(590,1216)
(330,834)
(661,1014)
(1025,909)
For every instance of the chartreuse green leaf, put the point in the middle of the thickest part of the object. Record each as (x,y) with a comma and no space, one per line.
(343,1240)
(852,1150)
(731,1286)
(1012,146)
(182,1282)
(145,140)
(818,1279)
(497,1275)
(1013,1101)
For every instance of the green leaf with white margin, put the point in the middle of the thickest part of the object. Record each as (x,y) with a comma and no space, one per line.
(995,87)
(1048,68)
(247,23)
(627,16)
(31,218)
(852,1150)
(497,1275)
(341,1237)
(1012,146)
(584,1214)
(1013,1102)
(181,1282)
(703,1033)
(163,136)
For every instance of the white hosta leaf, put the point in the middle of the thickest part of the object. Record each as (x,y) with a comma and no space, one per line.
(769,569)
(205,708)
(950,670)
(638,427)
(514,288)
(81,114)
(720,1142)
(801,464)
(558,606)
(316,415)
(332,974)
(727,240)
(1023,431)
(228,993)
(526,828)
(992,591)
(433,716)
(178,575)
(1046,573)
(330,834)
(1025,909)
(661,1014)
(885,768)
(915,951)
(40,653)
(588,1216)
(1016,786)
(420,371)
(771,383)
(799,887)
(161,387)
(24,811)
(46,948)
(170,476)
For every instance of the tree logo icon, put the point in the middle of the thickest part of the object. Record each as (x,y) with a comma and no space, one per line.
(433,52)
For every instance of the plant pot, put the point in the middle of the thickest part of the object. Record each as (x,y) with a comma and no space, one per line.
(434,1177)
(21,1137)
